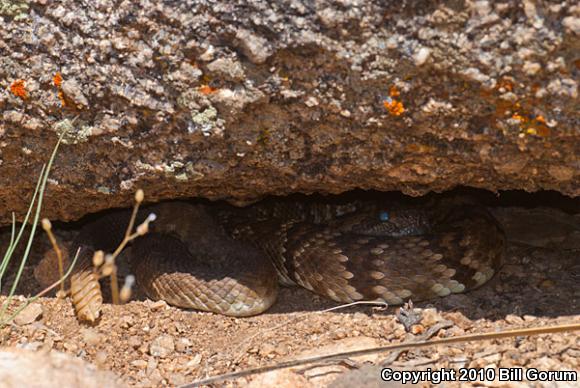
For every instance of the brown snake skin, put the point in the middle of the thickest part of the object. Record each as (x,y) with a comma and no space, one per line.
(225,260)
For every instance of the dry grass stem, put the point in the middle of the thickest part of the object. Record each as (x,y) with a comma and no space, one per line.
(47,226)
(141,229)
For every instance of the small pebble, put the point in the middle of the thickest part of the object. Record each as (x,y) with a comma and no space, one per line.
(134,341)
(513,319)
(157,305)
(91,336)
(311,101)
(31,313)
(70,347)
(162,346)
(141,364)
(267,349)
(156,377)
(126,321)
(417,329)
(421,56)
(177,379)
(182,344)
(101,358)
(430,317)
(196,360)
(151,366)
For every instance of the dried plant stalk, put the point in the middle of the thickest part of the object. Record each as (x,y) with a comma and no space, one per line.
(126,290)
(47,226)
(85,288)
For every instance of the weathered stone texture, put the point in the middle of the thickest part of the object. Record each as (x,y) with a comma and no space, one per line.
(240,99)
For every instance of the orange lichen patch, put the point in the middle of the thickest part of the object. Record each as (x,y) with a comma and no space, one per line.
(18,88)
(531,131)
(541,119)
(61,97)
(520,111)
(505,84)
(532,125)
(539,129)
(395,108)
(206,89)
(57,80)
(519,117)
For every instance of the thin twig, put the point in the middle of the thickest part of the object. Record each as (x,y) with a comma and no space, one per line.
(410,345)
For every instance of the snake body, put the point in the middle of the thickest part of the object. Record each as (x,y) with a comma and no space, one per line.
(229,260)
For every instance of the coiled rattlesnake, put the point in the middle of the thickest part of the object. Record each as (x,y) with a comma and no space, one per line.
(227,260)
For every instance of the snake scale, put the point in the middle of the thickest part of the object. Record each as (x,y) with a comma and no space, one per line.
(230,260)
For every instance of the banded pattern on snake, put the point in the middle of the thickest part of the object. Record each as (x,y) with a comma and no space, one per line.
(227,260)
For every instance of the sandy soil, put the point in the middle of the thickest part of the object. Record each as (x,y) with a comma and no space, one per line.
(151,344)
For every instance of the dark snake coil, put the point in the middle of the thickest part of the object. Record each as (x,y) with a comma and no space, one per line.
(229,260)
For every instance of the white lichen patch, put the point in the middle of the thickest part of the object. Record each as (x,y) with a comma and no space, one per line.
(18,10)
(206,122)
(74,133)
(104,190)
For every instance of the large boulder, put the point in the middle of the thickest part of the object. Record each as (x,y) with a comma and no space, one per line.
(25,368)
(240,99)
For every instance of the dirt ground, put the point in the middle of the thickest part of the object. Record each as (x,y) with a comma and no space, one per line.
(148,343)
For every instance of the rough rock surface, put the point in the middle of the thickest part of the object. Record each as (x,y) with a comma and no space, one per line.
(25,368)
(239,99)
